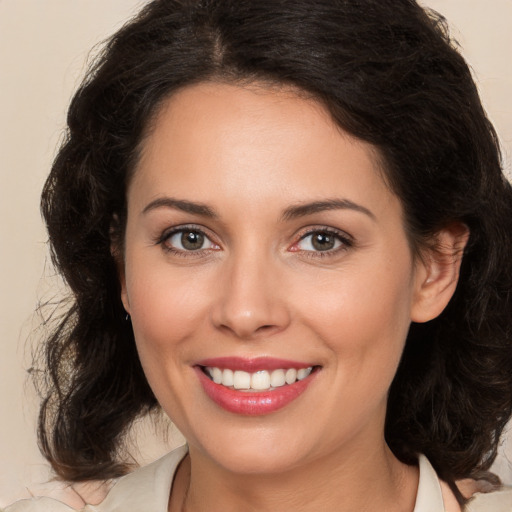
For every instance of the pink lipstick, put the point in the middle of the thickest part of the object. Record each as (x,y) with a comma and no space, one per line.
(254,386)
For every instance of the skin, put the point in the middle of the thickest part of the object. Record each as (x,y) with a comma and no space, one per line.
(259,288)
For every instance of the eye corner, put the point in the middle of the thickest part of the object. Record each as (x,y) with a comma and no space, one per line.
(329,242)
(199,244)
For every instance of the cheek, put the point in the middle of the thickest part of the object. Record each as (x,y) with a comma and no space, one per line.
(166,306)
(363,316)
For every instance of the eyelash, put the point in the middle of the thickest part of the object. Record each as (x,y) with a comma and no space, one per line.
(346,242)
(167,235)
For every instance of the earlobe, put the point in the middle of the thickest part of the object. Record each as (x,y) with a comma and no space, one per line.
(117,253)
(437,272)
(121,275)
(124,293)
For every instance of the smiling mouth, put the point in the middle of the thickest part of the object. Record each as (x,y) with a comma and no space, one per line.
(261,380)
(254,387)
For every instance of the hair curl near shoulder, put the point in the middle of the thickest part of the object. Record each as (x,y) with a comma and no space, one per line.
(390,75)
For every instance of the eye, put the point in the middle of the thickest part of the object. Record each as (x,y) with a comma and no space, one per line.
(322,240)
(187,240)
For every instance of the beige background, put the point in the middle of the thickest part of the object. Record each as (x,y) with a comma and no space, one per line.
(43,48)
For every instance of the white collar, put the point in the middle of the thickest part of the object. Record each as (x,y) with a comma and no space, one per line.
(149,488)
(429,497)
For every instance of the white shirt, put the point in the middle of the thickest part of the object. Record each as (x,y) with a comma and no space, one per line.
(148,489)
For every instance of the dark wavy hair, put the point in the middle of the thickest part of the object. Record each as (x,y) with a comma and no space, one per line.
(389,74)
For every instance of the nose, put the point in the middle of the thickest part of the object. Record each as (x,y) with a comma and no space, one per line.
(250,302)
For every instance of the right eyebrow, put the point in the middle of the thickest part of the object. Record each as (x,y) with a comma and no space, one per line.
(181,204)
(304,209)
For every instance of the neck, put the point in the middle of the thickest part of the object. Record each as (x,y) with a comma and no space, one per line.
(364,480)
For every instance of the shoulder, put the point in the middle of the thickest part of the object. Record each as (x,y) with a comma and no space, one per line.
(497,501)
(147,488)
(434,494)
(38,505)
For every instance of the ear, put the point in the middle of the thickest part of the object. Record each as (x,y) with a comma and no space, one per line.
(122,282)
(116,250)
(437,272)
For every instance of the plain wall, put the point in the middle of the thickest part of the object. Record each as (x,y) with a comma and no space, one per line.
(44,45)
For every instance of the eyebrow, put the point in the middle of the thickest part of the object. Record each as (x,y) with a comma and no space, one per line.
(181,204)
(292,212)
(302,210)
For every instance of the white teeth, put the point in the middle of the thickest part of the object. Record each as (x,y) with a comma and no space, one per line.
(277,379)
(303,373)
(217,376)
(241,380)
(291,376)
(258,381)
(227,377)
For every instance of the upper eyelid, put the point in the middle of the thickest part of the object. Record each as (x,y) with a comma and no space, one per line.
(325,229)
(300,235)
(166,233)
(163,240)
(346,240)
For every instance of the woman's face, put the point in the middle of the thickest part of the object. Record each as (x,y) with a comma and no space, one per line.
(264,249)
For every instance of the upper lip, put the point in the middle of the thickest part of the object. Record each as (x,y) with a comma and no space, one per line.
(252,365)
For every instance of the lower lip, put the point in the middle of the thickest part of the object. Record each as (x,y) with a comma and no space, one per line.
(253,403)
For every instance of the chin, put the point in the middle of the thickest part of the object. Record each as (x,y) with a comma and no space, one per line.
(257,459)
(257,450)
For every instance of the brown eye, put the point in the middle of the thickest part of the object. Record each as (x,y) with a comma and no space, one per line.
(192,240)
(188,240)
(323,241)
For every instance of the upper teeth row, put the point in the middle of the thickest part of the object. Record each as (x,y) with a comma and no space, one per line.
(259,380)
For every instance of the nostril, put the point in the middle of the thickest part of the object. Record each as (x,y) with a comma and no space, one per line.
(265,328)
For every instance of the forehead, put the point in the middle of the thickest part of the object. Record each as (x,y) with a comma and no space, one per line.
(256,144)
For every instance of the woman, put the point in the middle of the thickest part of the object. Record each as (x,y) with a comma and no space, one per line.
(284,223)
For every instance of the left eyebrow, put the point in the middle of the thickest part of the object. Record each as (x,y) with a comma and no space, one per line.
(302,210)
(181,204)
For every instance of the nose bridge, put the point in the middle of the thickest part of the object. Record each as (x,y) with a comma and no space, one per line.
(249,302)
